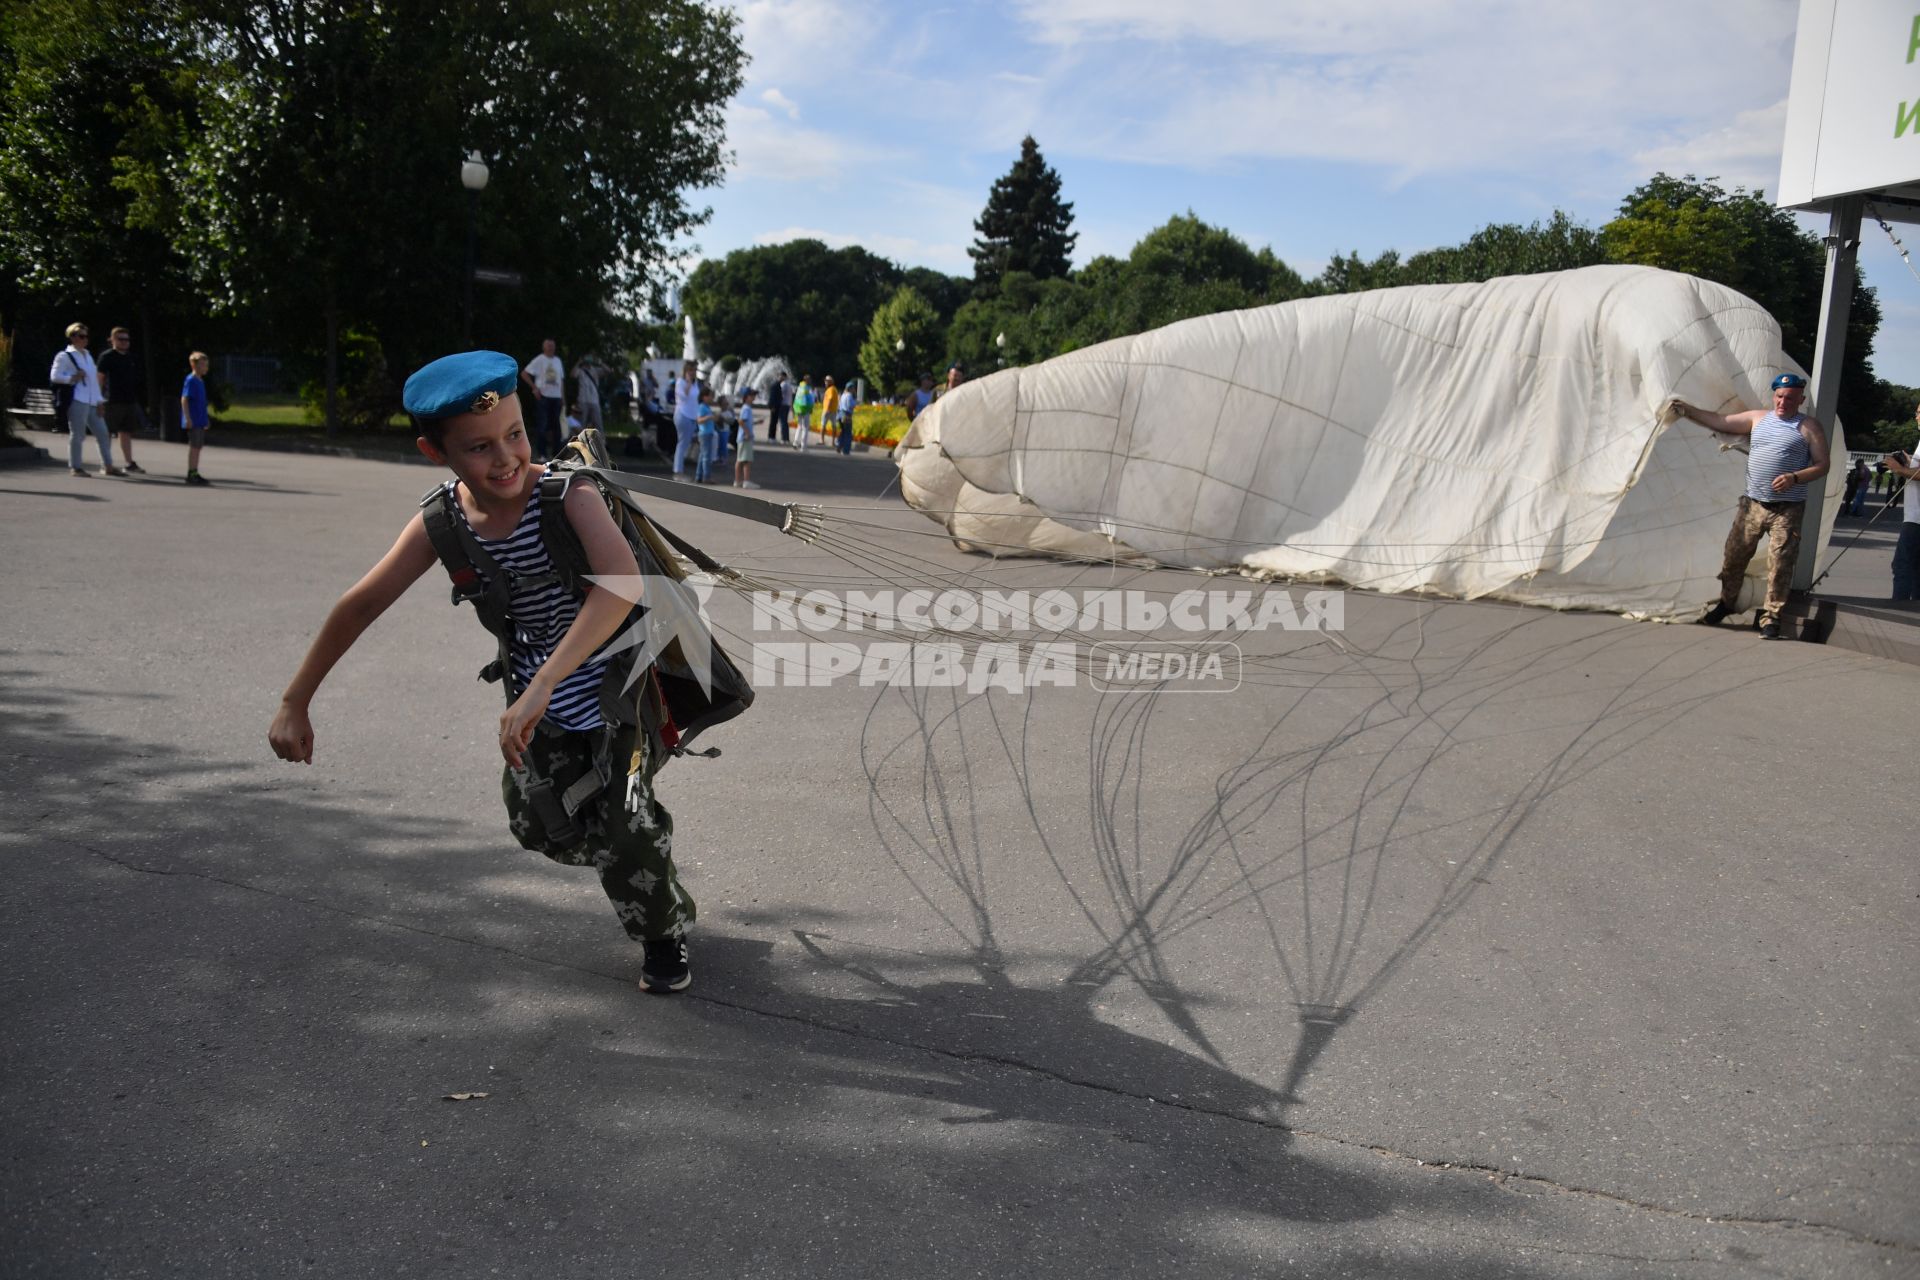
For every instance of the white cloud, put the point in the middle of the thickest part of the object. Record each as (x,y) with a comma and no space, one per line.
(1018,77)
(1482,86)
(1743,152)
(790,41)
(776,149)
(781,102)
(1306,28)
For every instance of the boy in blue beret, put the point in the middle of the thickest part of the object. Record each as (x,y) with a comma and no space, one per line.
(554,735)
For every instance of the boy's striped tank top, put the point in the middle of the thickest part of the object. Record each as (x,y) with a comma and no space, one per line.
(541,616)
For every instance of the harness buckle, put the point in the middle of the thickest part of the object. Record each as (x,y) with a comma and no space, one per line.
(468,586)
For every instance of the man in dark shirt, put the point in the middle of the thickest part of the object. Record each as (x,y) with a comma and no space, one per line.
(122,373)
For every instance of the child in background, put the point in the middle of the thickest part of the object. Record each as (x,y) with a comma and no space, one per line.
(744,463)
(709,437)
(193,413)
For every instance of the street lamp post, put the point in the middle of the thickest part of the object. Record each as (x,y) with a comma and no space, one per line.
(473,176)
(1000,345)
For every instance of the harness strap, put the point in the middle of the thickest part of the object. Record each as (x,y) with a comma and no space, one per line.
(591,784)
(564,552)
(560,826)
(559,812)
(706,562)
(478,579)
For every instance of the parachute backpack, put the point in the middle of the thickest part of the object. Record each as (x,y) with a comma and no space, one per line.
(667,702)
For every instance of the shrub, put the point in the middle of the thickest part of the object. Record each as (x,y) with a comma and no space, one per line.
(367,394)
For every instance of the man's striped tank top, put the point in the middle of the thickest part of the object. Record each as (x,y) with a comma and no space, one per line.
(1775,448)
(541,616)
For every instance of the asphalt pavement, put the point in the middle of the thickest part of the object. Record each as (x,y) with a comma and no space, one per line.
(1471,941)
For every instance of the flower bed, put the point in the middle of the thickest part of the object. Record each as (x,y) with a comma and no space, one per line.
(879,425)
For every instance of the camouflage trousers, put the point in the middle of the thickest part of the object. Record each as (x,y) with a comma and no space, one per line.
(1779,523)
(626,835)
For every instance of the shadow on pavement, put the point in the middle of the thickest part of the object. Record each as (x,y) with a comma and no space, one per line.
(235,1007)
(54,493)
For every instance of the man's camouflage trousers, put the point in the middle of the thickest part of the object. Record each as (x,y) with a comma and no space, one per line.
(628,834)
(1779,524)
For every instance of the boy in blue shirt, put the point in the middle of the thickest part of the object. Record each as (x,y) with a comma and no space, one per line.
(193,414)
(554,734)
(707,425)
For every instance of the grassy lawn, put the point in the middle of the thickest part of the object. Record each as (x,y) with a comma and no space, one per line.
(284,411)
(283,418)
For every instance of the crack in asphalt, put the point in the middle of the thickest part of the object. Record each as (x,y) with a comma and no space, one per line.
(1506,1179)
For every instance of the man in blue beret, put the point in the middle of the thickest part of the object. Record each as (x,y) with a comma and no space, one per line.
(578,786)
(1786,451)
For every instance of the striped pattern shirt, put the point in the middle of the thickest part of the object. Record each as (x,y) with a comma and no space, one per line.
(541,615)
(1775,448)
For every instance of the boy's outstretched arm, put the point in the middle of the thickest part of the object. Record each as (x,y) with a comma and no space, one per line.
(601,614)
(291,733)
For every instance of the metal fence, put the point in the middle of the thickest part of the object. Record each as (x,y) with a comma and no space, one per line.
(250,373)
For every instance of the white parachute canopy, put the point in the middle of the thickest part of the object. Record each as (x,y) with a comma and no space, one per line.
(1501,439)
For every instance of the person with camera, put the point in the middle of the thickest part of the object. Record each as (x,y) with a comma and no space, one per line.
(1906,552)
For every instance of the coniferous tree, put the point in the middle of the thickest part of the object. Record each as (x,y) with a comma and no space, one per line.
(1025,224)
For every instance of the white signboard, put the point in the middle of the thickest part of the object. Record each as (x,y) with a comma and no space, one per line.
(1853,110)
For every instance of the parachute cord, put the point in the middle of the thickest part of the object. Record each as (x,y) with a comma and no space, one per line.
(1875,519)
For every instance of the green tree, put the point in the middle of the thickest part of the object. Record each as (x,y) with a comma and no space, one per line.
(1509,249)
(1501,249)
(1181,269)
(321,187)
(1742,240)
(1025,226)
(945,293)
(903,341)
(1897,429)
(1350,273)
(79,234)
(1192,253)
(800,300)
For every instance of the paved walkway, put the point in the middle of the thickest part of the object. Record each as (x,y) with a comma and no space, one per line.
(1485,942)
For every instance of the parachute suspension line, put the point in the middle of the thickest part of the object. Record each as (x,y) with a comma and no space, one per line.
(874,560)
(876,563)
(1875,519)
(1898,248)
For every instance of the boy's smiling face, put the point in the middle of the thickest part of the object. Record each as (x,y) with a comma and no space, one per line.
(489,452)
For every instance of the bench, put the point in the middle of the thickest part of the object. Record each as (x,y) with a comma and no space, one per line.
(38,411)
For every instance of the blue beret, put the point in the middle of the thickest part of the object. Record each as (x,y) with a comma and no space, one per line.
(470,382)
(1789,380)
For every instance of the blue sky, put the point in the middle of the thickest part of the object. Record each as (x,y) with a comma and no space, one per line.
(1313,128)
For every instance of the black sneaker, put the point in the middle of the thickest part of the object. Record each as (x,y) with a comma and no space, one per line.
(194,477)
(1715,616)
(1770,631)
(665,967)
